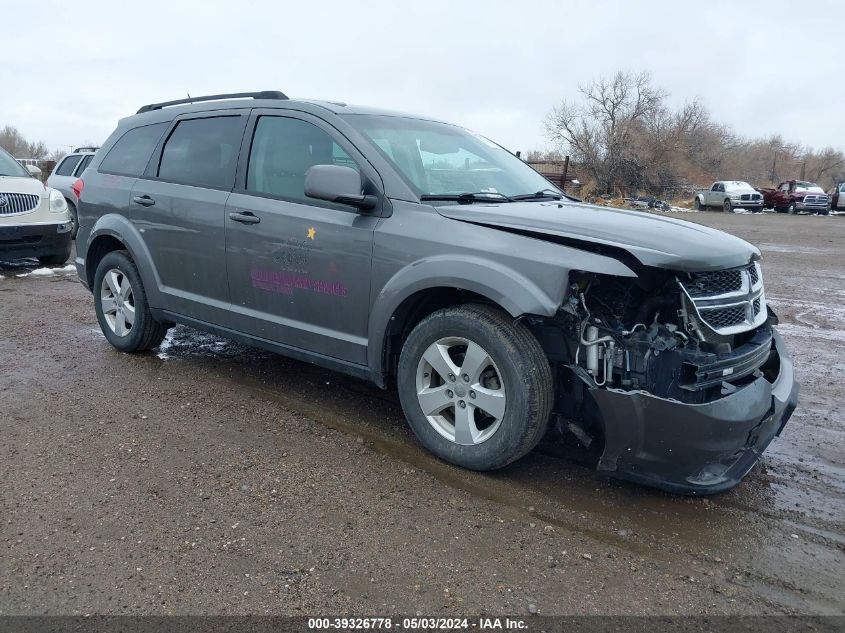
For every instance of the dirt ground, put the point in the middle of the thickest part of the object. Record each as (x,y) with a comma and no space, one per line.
(210,478)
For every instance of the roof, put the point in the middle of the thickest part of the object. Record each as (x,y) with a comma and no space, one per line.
(168,112)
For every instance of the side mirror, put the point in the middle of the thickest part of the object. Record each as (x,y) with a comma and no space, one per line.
(339,184)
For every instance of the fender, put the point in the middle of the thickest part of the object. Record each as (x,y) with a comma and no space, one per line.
(502,285)
(120,228)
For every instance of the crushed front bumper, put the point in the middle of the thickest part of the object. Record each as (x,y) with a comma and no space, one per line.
(695,448)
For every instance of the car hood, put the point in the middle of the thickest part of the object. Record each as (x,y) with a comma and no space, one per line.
(653,240)
(15,184)
(741,190)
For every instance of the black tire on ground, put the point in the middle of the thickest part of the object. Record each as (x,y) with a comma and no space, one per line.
(727,206)
(792,209)
(697,204)
(74,216)
(145,332)
(524,369)
(59,259)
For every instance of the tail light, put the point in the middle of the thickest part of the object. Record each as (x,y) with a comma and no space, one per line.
(77,188)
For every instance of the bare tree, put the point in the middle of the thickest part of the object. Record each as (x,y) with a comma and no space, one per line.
(598,131)
(825,162)
(13,142)
(623,136)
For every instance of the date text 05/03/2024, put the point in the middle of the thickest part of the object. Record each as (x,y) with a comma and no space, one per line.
(418,623)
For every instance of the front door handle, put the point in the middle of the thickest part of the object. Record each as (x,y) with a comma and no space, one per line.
(247,217)
(144,201)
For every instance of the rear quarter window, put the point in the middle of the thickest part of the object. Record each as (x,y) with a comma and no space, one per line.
(65,168)
(83,164)
(129,156)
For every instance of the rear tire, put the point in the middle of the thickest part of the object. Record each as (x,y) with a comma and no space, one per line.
(74,217)
(121,305)
(697,204)
(488,361)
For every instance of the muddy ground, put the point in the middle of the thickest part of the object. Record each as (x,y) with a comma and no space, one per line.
(207,477)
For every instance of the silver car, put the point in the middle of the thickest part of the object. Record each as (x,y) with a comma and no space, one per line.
(66,172)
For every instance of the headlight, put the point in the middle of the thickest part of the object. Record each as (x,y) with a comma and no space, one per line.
(57,202)
(736,196)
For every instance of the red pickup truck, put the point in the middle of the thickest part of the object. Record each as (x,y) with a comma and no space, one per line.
(793,196)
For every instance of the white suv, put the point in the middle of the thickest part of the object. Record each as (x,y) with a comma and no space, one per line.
(34,219)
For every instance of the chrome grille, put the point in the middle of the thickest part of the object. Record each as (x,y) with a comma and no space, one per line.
(724,317)
(750,196)
(15,203)
(815,199)
(727,301)
(713,283)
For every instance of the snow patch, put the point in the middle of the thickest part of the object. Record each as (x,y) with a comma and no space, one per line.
(42,272)
(47,272)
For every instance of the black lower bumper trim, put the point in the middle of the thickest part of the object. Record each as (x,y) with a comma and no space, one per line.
(34,240)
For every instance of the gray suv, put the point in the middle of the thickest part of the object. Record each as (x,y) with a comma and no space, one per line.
(416,254)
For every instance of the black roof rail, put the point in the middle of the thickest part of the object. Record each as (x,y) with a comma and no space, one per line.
(264,94)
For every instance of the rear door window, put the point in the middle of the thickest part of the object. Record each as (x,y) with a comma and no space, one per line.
(130,154)
(203,152)
(65,168)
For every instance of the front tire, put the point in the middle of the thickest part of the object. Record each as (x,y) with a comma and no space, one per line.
(121,305)
(727,206)
(792,209)
(475,386)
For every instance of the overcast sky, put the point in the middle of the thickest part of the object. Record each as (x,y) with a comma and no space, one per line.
(69,71)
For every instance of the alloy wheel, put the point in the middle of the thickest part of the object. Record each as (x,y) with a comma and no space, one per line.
(461,391)
(118,302)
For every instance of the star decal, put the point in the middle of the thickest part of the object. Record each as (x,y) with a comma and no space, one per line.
(312,233)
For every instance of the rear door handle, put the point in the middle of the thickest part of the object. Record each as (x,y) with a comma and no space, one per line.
(247,217)
(144,201)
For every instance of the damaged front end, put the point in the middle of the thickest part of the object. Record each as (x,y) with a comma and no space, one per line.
(676,380)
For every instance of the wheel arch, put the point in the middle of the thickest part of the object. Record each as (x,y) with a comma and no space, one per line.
(423,287)
(113,232)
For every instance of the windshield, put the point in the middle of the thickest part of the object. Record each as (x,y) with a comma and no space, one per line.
(9,166)
(437,159)
(737,185)
(808,186)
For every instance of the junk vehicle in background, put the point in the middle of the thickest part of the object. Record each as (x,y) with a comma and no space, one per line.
(794,196)
(67,172)
(729,195)
(426,258)
(34,219)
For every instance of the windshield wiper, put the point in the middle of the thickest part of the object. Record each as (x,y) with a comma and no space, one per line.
(469,198)
(545,194)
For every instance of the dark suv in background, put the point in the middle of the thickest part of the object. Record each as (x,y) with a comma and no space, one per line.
(415,253)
